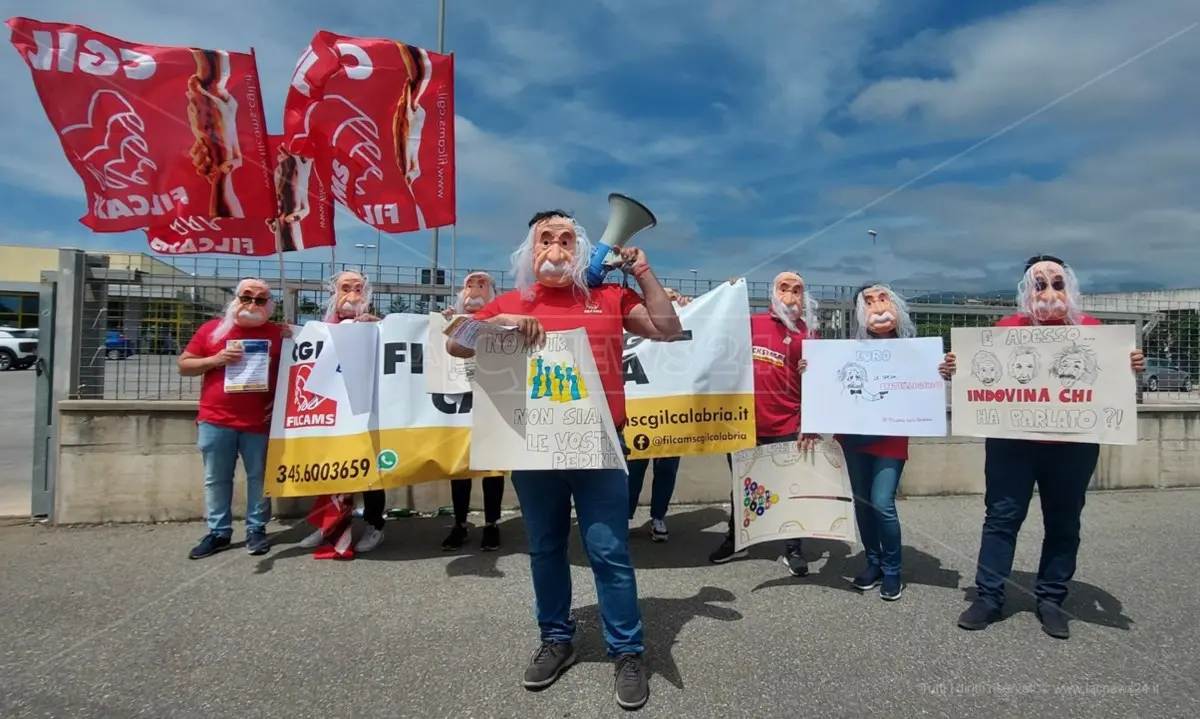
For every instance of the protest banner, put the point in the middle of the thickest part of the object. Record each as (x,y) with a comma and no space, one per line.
(543,408)
(694,395)
(155,132)
(786,494)
(445,374)
(884,387)
(320,446)
(1068,383)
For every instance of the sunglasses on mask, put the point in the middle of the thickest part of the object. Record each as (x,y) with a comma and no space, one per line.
(259,301)
(1057,284)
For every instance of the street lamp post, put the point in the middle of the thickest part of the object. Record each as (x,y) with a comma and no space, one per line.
(874,271)
(364,247)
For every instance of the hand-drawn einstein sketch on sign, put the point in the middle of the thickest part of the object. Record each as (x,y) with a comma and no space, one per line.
(1069,383)
(854,380)
(985,367)
(1024,364)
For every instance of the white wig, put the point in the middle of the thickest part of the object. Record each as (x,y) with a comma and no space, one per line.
(331,308)
(808,307)
(1027,291)
(522,261)
(234,306)
(459,307)
(905,329)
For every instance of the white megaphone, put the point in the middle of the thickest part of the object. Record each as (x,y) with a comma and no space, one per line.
(626,218)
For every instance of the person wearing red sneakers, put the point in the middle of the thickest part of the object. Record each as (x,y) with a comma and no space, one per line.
(552,294)
(332,515)
(478,289)
(777,336)
(234,420)
(1048,294)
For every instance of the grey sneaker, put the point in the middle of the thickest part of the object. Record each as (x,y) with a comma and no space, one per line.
(633,687)
(548,663)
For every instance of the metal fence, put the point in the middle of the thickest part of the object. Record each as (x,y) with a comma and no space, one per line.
(142,318)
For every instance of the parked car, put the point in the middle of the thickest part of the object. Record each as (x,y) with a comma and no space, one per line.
(117,347)
(18,348)
(1162,376)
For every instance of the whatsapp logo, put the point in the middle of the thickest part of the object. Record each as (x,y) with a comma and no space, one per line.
(387,459)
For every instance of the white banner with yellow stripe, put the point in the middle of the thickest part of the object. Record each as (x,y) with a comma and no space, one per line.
(695,395)
(325,443)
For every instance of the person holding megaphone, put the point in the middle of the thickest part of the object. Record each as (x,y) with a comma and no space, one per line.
(557,291)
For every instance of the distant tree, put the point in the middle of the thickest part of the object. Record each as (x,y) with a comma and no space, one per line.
(309,308)
(421,306)
(398,305)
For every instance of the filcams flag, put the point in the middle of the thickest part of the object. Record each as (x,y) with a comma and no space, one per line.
(155,132)
(387,111)
(304,216)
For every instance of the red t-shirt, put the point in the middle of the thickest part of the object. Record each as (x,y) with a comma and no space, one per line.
(1023,320)
(776,352)
(602,314)
(247,411)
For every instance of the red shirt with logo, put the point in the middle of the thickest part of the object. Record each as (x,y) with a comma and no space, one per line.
(246,411)
(776,352)
(1024,320)
(602,313)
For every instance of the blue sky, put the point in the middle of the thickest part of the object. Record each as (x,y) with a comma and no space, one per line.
(765,136)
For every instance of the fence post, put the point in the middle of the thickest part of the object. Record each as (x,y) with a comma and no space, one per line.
(1139,342)
(79,326)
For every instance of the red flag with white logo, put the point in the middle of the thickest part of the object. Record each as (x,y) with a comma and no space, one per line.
(153,131)
(387,111)
(304,215)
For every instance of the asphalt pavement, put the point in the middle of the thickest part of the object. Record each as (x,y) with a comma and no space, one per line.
(115,621)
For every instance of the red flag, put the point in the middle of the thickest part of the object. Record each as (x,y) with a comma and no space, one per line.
(387,110)
(304,216)
(155,132)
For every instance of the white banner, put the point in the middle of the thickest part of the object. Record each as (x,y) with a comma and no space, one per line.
(1069,383)
(694,395)
(781,493)
(320,445)
(541,409)
(883,387)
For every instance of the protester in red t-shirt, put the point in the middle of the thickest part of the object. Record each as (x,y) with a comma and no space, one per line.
(552,295)
(777,338)
(1048,294)
(478,289)
(333,514)
(875,463)
(234,416)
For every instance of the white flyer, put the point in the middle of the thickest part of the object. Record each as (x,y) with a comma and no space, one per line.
(252,373)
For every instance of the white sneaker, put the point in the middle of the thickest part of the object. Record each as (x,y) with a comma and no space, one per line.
(658,530)
(313,540)
(370,540)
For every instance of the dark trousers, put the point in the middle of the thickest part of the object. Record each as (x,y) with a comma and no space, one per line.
(1061,472)
(733,505)
(493,495)
(666,469)
(374,504)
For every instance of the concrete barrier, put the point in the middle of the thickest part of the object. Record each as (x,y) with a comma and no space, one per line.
(136,461)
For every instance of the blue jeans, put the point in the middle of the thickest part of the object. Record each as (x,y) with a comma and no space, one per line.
(220,447)
(601,500)
(1011,468)
(661,487)
(874,481)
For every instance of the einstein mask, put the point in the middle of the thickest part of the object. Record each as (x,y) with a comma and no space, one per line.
(879,310)
(554,251)
(253,303)
(350,296)
(477,291)
(1049,290)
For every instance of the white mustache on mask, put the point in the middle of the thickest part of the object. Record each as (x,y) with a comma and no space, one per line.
(473,302)
(881,318)
(350,306)
(248,315)
(1049,307)
(549,268)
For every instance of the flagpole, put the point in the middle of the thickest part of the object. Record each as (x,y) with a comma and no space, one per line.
(454,253)
(289,315)
(433,250)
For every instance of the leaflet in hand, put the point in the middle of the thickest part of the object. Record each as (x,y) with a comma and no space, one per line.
(466,331)
(252,373)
